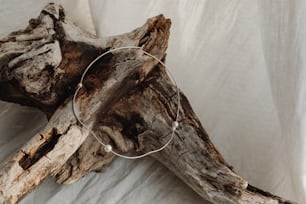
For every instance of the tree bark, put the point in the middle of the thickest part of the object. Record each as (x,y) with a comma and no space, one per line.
(128,100)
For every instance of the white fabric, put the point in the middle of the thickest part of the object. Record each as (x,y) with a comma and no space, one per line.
(241,64)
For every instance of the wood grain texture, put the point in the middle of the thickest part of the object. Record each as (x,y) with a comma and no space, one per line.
(128,100)
(191,156)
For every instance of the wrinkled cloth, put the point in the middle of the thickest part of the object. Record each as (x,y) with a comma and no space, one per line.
(240,63)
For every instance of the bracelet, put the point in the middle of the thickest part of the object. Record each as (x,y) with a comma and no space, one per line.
(108,147)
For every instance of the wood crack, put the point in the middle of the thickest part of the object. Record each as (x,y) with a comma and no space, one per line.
(29,159)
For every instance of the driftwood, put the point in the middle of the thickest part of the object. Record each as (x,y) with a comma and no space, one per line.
(129,101)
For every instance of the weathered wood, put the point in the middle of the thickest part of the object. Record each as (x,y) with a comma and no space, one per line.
(191,155)
(128,101)
(52,53)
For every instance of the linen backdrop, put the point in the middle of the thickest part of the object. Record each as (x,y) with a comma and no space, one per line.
(240,63)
